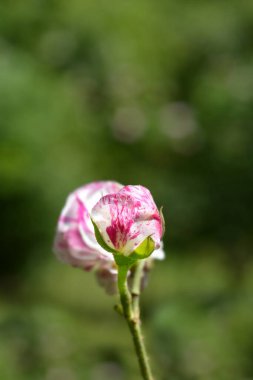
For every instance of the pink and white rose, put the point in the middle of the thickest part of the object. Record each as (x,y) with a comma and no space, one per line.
(75,242)
(125,216)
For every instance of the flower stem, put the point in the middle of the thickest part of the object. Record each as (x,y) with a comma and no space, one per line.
(133,320)
(125,296)
(136,287)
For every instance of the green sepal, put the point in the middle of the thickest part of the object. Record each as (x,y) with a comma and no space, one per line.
(162,220)
(144,250)
(101,241)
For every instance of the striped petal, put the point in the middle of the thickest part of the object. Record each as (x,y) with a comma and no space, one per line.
(125,219)
(75,242)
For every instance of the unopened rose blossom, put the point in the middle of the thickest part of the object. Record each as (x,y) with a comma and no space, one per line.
(75,242)
(126,218)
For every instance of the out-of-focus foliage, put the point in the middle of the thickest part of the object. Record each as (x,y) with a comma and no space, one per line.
(146,92)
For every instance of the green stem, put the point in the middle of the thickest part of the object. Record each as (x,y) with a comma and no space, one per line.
(125,296)
(134,323)
(136,287)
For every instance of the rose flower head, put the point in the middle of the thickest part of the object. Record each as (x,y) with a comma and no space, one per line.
(75,242)
(125,218)
(128,222)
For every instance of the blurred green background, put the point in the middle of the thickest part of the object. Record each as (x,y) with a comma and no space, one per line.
(158,93)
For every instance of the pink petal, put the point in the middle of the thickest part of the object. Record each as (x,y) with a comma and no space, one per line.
(75,241)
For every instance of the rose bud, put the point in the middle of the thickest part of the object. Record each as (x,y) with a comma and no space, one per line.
(75,242)
(128,222)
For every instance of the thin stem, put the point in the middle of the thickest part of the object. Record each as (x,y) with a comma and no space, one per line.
(125,296)
(133,322)
(135,328)
(136,287)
